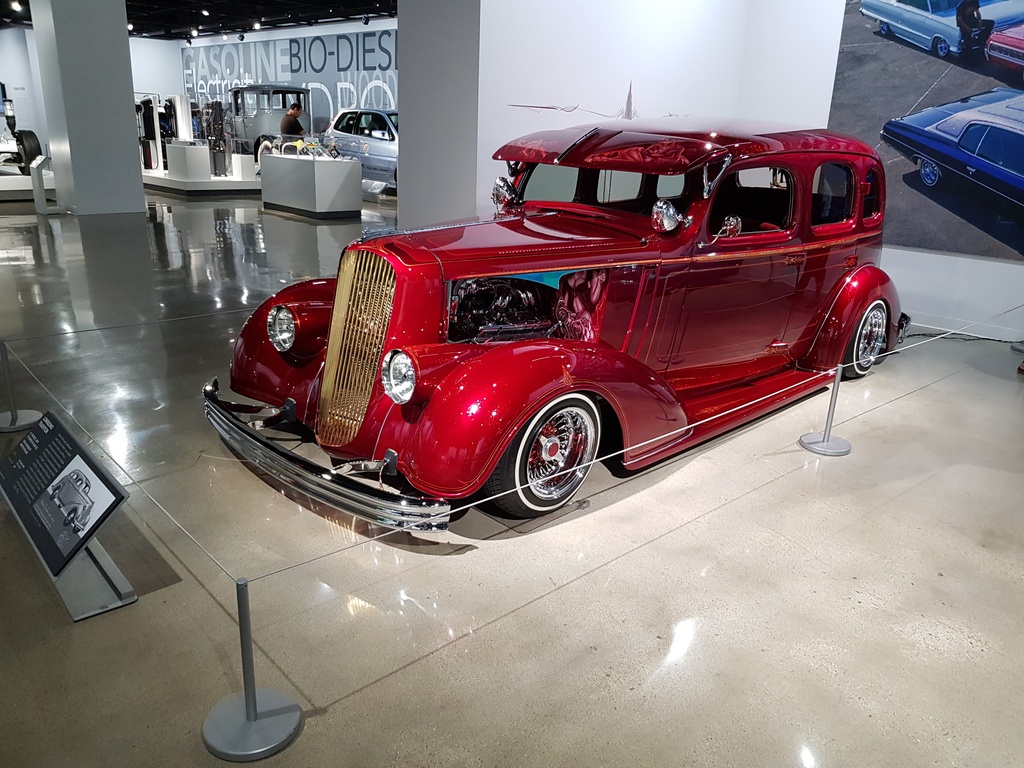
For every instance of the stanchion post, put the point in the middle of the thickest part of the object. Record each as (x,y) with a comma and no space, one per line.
(825,443)
(258,722)
(14,420)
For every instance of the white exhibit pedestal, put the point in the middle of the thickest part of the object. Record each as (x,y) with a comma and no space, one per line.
(243,166)
(315,187)
(188,162)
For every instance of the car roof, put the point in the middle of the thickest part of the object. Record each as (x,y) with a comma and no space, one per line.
(668,146)
(1006,112)
(270,87)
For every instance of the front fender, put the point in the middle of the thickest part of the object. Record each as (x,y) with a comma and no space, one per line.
(862,287)
(449,444)
(259,371)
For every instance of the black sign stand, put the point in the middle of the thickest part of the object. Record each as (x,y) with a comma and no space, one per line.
(60,496)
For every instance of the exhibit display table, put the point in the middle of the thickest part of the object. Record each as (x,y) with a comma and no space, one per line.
(188,161)
(316,187)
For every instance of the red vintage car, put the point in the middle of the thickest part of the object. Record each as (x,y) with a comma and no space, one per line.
(1006,48)
(639,280)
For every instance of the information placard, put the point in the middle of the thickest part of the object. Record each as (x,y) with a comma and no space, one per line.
(58,491)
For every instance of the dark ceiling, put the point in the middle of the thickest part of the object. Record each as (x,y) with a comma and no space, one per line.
(170,20)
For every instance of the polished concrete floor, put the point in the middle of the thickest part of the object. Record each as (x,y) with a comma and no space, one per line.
(746,604)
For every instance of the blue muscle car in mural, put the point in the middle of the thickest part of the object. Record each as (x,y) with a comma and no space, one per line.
(931,24)
(979,138)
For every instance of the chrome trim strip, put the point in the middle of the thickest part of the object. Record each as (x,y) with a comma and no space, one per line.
(336,487)
(575,144)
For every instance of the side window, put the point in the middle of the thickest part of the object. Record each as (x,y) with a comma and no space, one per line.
(671,186)
(347,122)
(832,199)
(1003,148)
(263,100)
(618,186)
(556,183)
(972,138)
(236,101)
(761,197)
(872,198)
(375,122)
(250,103)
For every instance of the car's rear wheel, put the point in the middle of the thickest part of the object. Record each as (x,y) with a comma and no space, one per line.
(868,342)
(548,459)
(884,29)
(940,47)
(929,172)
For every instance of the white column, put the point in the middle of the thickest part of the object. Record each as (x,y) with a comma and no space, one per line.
(86,73)
(438,63)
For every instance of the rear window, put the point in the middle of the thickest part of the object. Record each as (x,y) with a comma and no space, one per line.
(832,199)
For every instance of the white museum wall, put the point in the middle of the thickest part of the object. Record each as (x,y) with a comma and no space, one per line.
(790,52)
(156,67)
(682,58)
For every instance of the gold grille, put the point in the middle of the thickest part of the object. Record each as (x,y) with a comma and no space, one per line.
(362,310)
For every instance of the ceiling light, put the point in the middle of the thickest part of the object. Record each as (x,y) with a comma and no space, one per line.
(255,25)
(130,26)
(15,5)
(195,33)
(224,37)
(205,12)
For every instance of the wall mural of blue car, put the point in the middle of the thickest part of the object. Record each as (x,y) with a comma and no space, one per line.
(979,139)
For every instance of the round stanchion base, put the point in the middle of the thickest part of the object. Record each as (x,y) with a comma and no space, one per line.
(229,736)
(22,420)
(815,442)
(1017,347)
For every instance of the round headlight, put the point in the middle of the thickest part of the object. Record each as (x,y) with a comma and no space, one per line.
(281,328)
(398,375)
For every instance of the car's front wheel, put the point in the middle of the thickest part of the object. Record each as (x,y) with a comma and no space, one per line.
(929,172)
(868,342)
(940,47)
(549,458)
(884,29)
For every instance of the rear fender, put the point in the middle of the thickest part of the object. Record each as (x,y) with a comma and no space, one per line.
(861,287)
(449,443)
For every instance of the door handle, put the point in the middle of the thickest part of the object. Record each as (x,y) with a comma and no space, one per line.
(971,170)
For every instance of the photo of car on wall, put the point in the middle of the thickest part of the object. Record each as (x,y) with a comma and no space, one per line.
(953,188)
(1006,49)
(932,24)
(979,140)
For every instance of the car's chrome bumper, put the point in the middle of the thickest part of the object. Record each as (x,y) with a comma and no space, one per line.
(336,487)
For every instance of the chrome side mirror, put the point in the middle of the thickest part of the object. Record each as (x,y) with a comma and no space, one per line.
(665,217)
(503,194)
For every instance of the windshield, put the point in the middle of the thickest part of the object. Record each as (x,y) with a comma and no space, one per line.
(621,190)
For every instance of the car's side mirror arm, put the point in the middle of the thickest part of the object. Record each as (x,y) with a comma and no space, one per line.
(731,226)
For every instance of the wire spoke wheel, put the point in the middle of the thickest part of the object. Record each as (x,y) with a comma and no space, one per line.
(559,457)
(549,458)
(868,342)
